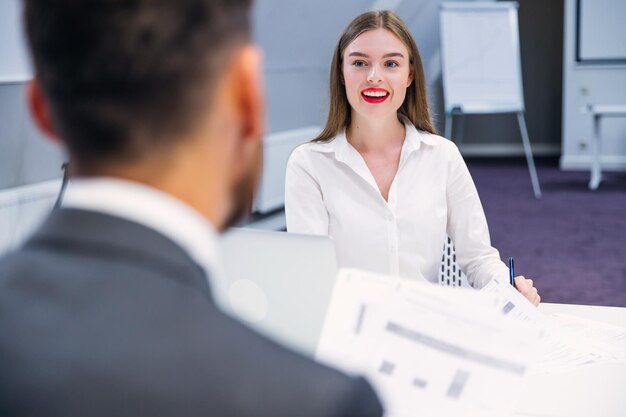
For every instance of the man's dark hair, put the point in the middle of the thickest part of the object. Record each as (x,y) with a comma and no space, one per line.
(124,77)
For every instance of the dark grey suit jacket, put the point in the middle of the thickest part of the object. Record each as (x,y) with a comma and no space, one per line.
(100,316)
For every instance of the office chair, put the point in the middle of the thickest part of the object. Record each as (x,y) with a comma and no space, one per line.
(450,273)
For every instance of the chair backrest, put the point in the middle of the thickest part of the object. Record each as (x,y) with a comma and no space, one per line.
(450,273)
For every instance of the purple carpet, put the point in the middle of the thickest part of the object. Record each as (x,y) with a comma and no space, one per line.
(571,242)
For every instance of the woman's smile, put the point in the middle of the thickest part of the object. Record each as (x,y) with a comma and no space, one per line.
(374,95)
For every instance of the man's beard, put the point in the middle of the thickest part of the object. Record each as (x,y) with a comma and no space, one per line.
(244,190)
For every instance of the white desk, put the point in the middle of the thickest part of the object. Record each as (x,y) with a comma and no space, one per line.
(594,390)
(598,112)
(610,315)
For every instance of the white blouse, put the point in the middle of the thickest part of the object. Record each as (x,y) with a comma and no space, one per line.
(329,190)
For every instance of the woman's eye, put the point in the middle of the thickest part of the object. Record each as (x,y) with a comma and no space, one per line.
(359,63)
(391,64)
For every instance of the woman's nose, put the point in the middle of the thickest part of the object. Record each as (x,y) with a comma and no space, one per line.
(373,75)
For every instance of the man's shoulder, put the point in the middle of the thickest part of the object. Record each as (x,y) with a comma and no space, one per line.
(19,265)
(78,258)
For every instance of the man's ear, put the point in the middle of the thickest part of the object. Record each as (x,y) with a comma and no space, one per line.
(250,99)
(40,109)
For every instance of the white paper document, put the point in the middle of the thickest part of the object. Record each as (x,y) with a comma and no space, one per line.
(573,342)
(570,342)
(427,350)
(604,340)
(512,303)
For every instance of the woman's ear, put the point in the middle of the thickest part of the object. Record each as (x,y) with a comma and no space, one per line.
(40,110)
(410,79)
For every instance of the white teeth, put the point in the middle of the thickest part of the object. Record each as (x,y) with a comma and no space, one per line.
(375,93)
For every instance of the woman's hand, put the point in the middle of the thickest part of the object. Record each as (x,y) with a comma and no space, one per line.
(525,286)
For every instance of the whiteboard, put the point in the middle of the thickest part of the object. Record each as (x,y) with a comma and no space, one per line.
(601,31)
(480,54)
(14,61)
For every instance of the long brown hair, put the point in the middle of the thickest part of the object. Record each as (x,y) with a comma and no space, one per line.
(415,105)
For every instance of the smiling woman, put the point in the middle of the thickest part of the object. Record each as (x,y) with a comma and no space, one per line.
(378,179)
(372,74)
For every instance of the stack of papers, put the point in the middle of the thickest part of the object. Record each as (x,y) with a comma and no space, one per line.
(439,351)
(570,342)
(428,350)
(573,342)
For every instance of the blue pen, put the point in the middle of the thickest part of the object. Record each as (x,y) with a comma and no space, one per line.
(512,271)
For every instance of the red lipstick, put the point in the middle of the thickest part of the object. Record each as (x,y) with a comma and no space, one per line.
(376,95)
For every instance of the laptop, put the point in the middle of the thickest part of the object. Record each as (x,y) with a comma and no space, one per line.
(278,283)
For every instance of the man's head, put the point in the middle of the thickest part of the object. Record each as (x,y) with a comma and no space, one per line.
(158,91)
